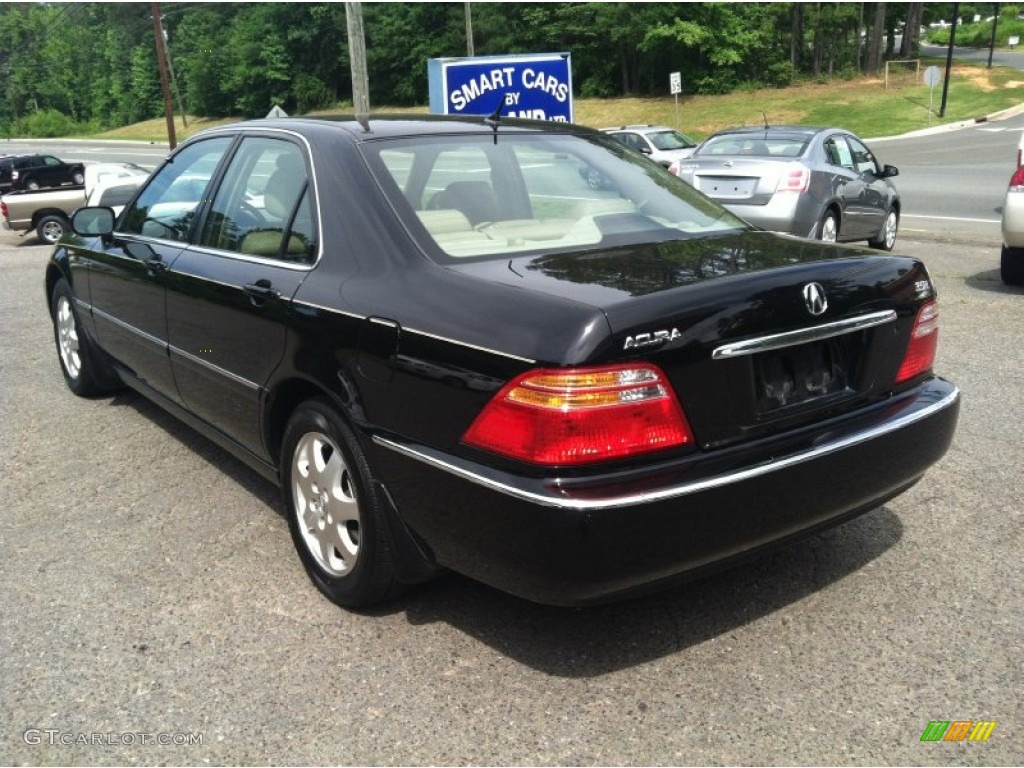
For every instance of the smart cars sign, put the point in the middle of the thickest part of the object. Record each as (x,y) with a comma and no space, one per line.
(536,86)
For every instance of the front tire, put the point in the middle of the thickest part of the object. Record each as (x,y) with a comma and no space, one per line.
(334,513)
(887,236)
(78,177)
(1011,266)
(51,229)
(77,356)
(828,227)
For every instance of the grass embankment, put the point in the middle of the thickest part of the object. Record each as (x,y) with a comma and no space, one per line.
(864,106)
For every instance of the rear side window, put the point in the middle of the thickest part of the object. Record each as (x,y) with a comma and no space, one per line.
(262,206)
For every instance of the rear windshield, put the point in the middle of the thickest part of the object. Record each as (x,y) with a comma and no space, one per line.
(488,196)
(756,145)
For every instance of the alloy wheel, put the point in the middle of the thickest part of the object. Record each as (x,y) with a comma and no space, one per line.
(325,504)
(67,334)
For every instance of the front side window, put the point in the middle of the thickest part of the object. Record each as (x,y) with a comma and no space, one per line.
(486,196)
(169,203)
(262,206)
(863,160)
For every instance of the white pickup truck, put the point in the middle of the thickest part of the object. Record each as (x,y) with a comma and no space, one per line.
(48,211)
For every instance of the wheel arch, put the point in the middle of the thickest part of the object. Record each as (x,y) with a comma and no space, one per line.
(282,400)
(42,213)
(414,562)
(54,274)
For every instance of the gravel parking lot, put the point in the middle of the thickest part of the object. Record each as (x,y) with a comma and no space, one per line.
(154,612)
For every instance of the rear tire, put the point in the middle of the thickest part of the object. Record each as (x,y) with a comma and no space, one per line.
(887,236)
(1011,266)
(78,177)
(334,513)
(51,229)
(31,184)
(828,227)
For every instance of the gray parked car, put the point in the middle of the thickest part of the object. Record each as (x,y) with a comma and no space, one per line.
(819,183)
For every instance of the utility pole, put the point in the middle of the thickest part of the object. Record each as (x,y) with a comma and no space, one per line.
(161,55)
(992,44)
(949,58)
(469,31)
(174,83)
(357,53)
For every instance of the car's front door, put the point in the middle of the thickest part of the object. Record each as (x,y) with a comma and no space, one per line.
(229,294)
(128,273)
(874,198)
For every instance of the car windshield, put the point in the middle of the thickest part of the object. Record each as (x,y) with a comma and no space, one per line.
(666,140)
(489,196)
(757,144)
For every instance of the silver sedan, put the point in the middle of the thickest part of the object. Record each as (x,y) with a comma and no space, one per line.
(821,183)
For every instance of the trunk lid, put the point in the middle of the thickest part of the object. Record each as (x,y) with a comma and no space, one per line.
(737,180)
(695,307)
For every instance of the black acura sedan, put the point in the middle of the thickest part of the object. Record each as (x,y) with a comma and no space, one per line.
(452,352)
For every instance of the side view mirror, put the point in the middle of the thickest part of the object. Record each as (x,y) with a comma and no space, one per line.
(93,220)
(889,171)
(645,150)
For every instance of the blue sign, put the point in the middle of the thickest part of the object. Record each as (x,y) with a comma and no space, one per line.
(538,86)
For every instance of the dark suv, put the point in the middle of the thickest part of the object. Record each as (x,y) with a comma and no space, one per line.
(38,171)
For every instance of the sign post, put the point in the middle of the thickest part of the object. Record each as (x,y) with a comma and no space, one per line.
(932,75)
(534,86)
(675,85)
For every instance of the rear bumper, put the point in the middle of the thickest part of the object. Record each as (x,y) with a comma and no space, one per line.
(787,212)
(1013,220)
(581,541)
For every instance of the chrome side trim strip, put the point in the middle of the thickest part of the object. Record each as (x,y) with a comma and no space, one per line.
(469,346)
(804,335)
(130,328)
(685,489)
(215,368)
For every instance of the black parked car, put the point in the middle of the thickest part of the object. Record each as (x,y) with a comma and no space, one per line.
(37,172)
(452,352)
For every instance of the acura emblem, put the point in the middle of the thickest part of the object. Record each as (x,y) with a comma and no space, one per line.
(814,299)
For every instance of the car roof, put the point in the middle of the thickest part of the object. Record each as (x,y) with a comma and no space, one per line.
(775,130)
(397,126)
(639,128)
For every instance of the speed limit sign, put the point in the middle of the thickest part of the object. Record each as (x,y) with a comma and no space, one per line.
(675,83)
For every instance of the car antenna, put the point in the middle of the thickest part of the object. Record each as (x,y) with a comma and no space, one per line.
(494,119)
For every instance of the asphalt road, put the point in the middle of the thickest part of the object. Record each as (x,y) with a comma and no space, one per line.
(149,592)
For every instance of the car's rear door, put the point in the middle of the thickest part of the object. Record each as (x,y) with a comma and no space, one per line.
(128,273)
(229,294)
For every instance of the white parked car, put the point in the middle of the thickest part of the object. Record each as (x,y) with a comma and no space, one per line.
(1011,260)
(662,144)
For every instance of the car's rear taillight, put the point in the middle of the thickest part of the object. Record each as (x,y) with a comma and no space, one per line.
(1017,180)
(3,209)
(14,175)
(923,342)
(796,177)
(578,416)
